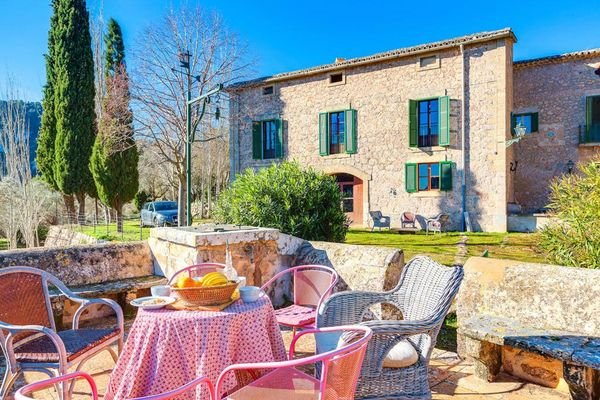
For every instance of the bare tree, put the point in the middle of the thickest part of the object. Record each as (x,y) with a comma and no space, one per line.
(25,201)
(159,93)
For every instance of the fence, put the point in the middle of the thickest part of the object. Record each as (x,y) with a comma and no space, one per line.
(104,226)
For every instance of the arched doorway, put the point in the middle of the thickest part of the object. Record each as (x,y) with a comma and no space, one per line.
(351,188)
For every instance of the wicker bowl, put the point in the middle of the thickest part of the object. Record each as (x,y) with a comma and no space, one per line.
(206,295)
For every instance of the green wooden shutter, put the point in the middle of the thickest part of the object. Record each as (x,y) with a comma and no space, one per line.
(444,120)
(411,177)
(534,122)
(350,136)
(446,175)
(323,134)
(513,124)
(279,143)
(413,122)
(257,140)
(588,112)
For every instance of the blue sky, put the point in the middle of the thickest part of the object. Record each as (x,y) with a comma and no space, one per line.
(287,35)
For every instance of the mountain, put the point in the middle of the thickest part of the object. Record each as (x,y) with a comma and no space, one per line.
(33,115)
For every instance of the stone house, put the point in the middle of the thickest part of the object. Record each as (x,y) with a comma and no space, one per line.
(425,128)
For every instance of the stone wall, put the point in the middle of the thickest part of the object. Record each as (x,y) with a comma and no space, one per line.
(538,295)
(60,236)
(82,265)
(557,91)
(380,94)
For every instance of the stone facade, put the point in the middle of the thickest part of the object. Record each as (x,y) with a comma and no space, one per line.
(555,88)
(379,88)
(380,92)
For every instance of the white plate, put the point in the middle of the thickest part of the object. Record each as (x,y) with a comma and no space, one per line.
(140,302)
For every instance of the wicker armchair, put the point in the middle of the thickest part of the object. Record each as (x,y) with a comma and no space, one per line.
(423,295)
(28,336)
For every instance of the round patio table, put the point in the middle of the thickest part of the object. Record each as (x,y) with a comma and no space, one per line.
(166,349)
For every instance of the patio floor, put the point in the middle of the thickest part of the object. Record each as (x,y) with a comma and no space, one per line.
(450,378)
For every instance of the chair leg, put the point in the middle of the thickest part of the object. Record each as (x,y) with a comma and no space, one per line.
(7,382)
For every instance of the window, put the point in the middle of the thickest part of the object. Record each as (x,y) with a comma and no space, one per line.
(429,177)
(592,120)
(429,122)
(528,120)
(267,139)
(428,62)
(336,78)
(337,132)
(426,177)
(267,90)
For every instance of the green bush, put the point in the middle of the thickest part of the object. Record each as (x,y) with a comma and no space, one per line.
(139,199)
(575,200)
(300,202)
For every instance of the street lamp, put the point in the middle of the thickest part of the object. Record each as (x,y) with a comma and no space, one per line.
(184,63)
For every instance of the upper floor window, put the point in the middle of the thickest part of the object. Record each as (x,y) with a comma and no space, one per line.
(429,122)
(267,90)
(337,132)
(591,131)
(527,120)
(267,139)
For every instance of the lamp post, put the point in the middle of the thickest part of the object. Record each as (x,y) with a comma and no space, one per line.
(184,63)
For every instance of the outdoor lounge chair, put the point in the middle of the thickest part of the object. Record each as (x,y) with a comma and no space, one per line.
(436,224)
(28,336)
(70,378)
(408,220)
(379,220)
(311,286)
(397,357)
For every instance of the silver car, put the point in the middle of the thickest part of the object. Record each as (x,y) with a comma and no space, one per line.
(159,213)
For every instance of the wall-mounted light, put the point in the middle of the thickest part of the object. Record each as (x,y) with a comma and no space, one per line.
(570,166)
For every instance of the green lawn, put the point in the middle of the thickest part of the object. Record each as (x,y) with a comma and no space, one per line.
(131,231)
(3,244)
(443,248)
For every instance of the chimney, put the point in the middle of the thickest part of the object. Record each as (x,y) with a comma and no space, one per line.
(339,60)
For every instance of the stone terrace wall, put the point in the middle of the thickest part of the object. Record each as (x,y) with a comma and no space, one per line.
(537,295)
(59,236)
(81,265)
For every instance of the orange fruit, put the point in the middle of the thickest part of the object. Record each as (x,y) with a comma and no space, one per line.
(185,282)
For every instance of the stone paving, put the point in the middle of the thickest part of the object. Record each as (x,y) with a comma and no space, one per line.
(450,378)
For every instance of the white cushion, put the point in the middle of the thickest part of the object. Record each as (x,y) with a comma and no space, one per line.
(401,355)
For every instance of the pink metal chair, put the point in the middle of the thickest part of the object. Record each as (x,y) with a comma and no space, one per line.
(197,270)
(337,370)
(312,284)
(22,393)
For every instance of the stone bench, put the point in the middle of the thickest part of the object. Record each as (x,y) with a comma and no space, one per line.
(485,336)
(121,291)
(538,322)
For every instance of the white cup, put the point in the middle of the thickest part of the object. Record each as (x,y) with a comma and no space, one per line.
(160,291)
(249,294)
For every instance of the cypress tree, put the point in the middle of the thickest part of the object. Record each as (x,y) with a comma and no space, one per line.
(47,136)
(73,89)
(114,161)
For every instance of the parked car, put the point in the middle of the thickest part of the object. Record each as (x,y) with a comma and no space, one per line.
(159,213)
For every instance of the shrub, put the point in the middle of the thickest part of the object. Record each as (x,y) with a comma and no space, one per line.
(575,200)
(139,199)
(299,202)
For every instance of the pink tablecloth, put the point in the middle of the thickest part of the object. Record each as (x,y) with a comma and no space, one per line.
(166,349)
